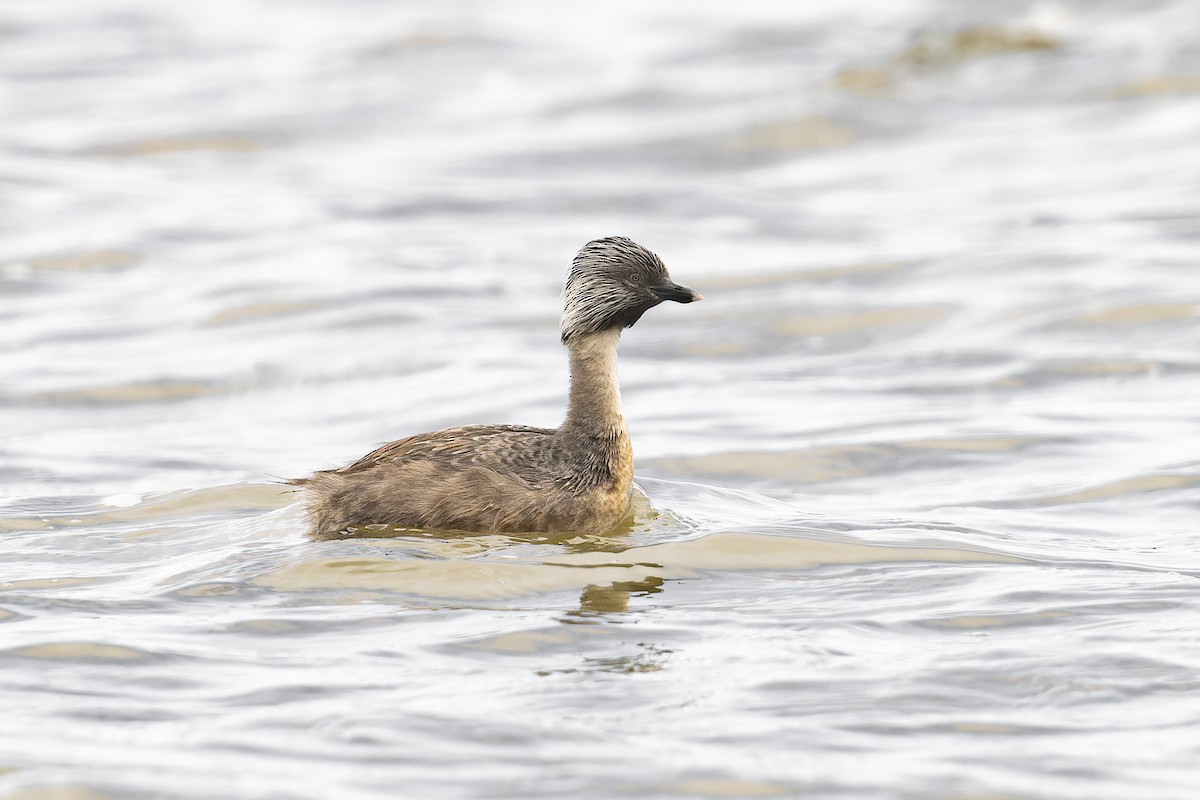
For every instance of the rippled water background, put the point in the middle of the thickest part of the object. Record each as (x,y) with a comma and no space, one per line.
(921,475)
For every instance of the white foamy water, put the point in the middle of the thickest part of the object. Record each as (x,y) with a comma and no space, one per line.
(920,478)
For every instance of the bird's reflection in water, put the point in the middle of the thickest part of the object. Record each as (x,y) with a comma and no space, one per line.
(595,600)
(649,658)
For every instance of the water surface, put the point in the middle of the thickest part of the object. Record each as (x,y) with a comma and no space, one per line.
(919,480)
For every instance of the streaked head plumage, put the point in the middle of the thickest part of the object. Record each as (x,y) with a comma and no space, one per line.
(611,283)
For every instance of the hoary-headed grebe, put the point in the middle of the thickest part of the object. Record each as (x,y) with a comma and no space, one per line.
(514,478)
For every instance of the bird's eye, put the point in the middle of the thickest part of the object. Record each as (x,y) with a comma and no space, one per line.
(636,278)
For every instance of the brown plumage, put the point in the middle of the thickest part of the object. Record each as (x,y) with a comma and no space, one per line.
(514,478)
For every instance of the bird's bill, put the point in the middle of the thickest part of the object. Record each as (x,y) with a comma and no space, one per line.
(677,293)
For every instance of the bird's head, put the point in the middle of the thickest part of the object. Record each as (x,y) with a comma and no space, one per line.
(612,282)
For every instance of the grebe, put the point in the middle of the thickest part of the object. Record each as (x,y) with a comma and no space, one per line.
(514,478)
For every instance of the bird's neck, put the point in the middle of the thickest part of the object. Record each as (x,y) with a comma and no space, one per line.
(594,405)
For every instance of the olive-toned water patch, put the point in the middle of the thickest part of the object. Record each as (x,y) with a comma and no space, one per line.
(100,260)
(56,793)
(140,392)
(29,584)
(836,462)
(723,787)
(934,50)
(731,332)
(561,638)
(865,80)
(1140,484)
(1159,86)
(256,311)
(721,349)
(801,133)
(269,627)
(1108,367)
(1139,314)
(210,590)
(614,653)
(229,498)
(1069,370)
(79,651)
(464,580)
(829,273)
(480,579)
(987,728)
(975,445)
(183,143)
(977,622)
(810,465)
(754,551)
